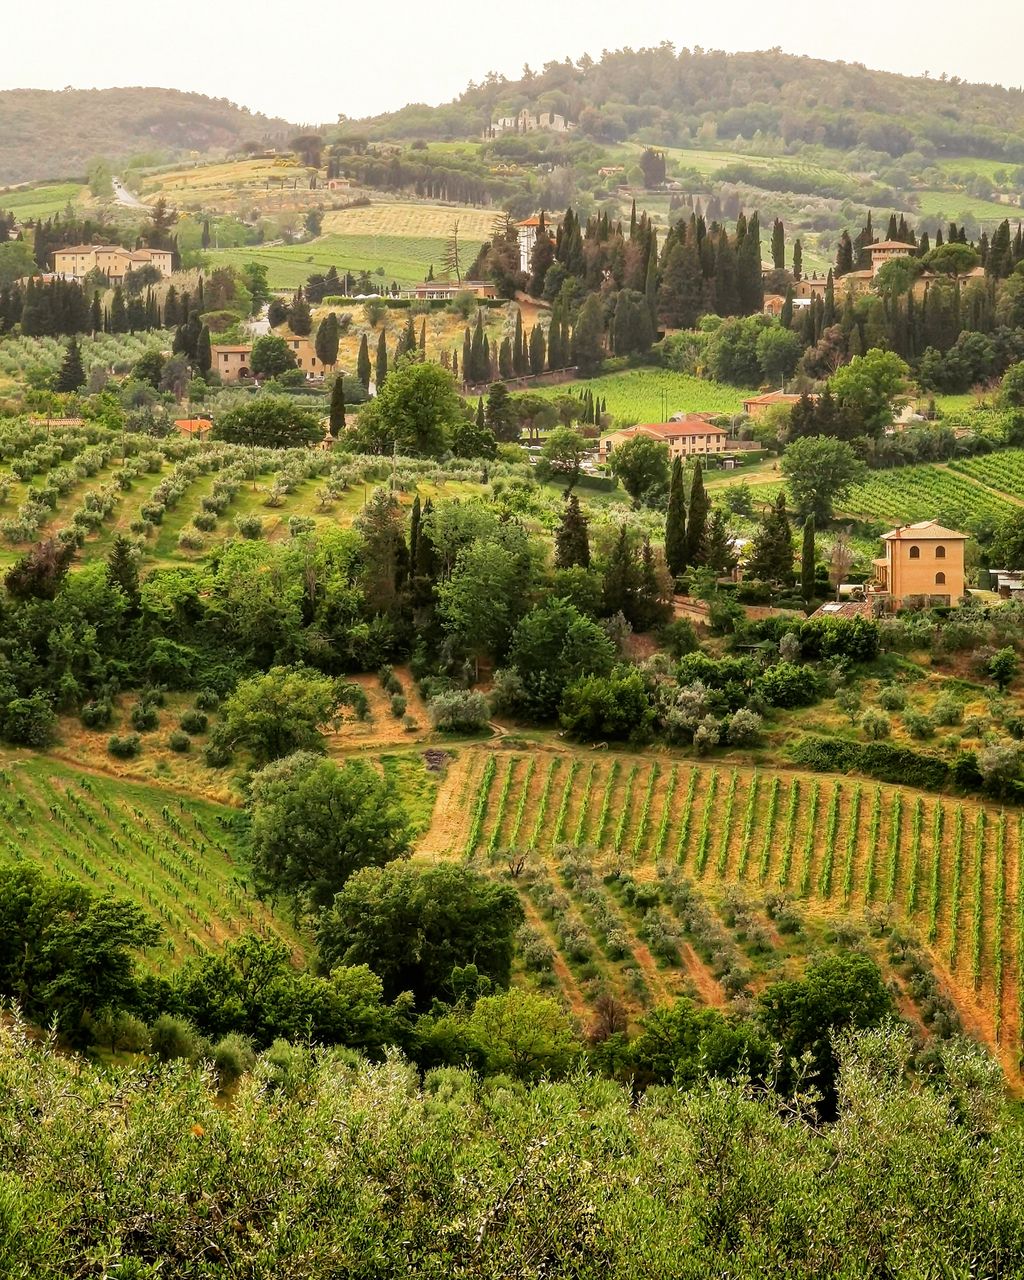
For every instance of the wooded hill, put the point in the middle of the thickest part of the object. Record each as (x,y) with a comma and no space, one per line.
(51,134)
(667,98)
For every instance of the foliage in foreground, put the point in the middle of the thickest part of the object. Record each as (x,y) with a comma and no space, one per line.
(324,1164)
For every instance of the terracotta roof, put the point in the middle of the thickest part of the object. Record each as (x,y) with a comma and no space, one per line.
(192,426)
(529,222)
(844,609)
(80,248)
(865,274)
(891,244)
(689,427)
(922,531)
(242,350)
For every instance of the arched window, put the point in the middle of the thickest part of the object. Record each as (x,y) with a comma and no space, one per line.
(915,553)
(940,553)
(940,579)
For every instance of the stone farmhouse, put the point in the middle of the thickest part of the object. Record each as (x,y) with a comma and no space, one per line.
(76,261)
(861,281)
(233,363)
(693,435)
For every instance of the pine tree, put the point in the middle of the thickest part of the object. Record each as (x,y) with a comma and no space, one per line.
(300,318)
(123,572)
(696,520)
(620,581)
(651,607)
(72,375)
(807,561)
(204,354)
(718,550)
(572,541)
(675,521)
(363,368)
(337,412)
(382,361)
(771,553)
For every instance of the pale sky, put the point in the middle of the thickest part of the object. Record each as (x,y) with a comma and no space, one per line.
(309,62)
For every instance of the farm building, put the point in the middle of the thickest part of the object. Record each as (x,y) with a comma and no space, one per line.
(757,405)
(77,260)
(446,290)
(527,239)
(232,363)
(691,436)
(922,561)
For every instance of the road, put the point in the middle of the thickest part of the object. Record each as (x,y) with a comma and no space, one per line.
(123,196)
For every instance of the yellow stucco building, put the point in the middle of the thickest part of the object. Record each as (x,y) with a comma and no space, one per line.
(74,262)
(922,560)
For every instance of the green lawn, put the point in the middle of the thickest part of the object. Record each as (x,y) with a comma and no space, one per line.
(41,200)
(404,258)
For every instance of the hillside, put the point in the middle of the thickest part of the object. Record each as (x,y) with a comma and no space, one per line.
(54,134)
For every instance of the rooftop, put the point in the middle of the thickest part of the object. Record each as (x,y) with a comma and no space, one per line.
(891,244)
(692,426)
(922,531)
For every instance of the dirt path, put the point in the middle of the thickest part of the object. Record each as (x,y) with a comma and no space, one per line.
(570,987)
(697,971)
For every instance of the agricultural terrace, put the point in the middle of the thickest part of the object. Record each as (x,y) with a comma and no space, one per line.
(607,853)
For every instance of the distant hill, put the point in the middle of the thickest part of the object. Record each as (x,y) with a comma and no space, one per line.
(50,134)
(668,97)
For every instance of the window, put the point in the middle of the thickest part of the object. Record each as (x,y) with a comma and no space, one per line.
(940,579)
(940,553)
(915,553)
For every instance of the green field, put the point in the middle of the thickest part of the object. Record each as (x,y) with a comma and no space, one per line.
(406,259)
(947,205)
(653,395)
(926,492)
(41,200)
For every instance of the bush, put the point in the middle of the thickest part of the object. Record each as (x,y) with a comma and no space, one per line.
(884,761)
(300,524)
(205,520)
(194,722)
(233,1056)
(458,711)
(679,638)
(743,728)
(615,706)
(144,717)
(397,706)
(207,700)
(918,724)
(892,698)
(947,710)
(179,741)
(190,539)
(124,747)
(172,1037)
(250,526)
(97,714)
(875,724)
(787,685)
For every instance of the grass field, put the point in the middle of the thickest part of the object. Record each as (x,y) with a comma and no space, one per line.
(41,200)
(620,914)
(406,219)
(946,205)
(652,395)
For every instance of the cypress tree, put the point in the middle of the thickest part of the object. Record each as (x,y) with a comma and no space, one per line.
(409,336)
(807,560)
(537,349)
(505,359)
(467,357)
(481,420)
(414,532)
(828,315)
(363,369)
(681,295)
(798,259)
(520,359)
(844,255)
(479,359)
(696,521)
(119,313)
(423,341)
(123,572)
(572,541)
(650,607)
(337,413)
(749,282)
(779,245)
(328,335)
(97,313)
(300,318)
(382,361)
(786,314)
(771,554)
(651,281)
(72,375)
(204,355)
(620,580)
(675,521)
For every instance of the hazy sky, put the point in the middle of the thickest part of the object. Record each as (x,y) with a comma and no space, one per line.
(309,62)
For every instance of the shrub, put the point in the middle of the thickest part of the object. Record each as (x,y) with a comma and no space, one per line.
(892,698)
(191,539)
(875,724)
(233,1056)
(947,710)
(679,638)
(614,706)
(743,728)
(98,713)
(397,706)
(207,700)
(250,526)
(124,747)
(918,724)
(205,520)
(707,734)
(194,722)
(458,711)
(787,685)
(179,741)
(300,524)
(144,717)
(172,1037)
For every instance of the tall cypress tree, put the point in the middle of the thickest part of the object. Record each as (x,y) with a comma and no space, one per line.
(382,361)
(204,354)
(363,368)
(771,553)
(72,375)
(414,532)
(479,359)
(697,516)
(807,560)
(572,542)
(675,521)
(798,259)
(337,413)
(537,349)
(778,245)
(123,572)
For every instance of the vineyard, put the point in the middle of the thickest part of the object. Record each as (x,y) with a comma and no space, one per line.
(176,857)
(1003,470)
(619,861)
(927,492)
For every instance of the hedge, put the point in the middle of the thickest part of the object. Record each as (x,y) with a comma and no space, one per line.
(884,761)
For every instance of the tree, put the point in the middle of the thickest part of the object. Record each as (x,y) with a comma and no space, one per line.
(807,558)
(615,706)
(280,712)
(837,992)
(572,543)
(277,312)
(588,337)
(696,523)
(271,356)
(363,369)
(16,262)
(1002,667)
(867,387)
(314,823)
(300,318)
(778,245)
(72,375)
(524,1034)
(470,438)
(820,471)
(500,414)
(553,645)
(39,573)
(418,405)
(675,521)
(641,463)
(1007,550)
(328,335)
(381,374)
(1011,391)
(771,551)
(480,604)
(778,351)
(681,296)
(269,422)
(336,418)
(719,555)
(204,353)
(123,571)
(562,455)
(414,924)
